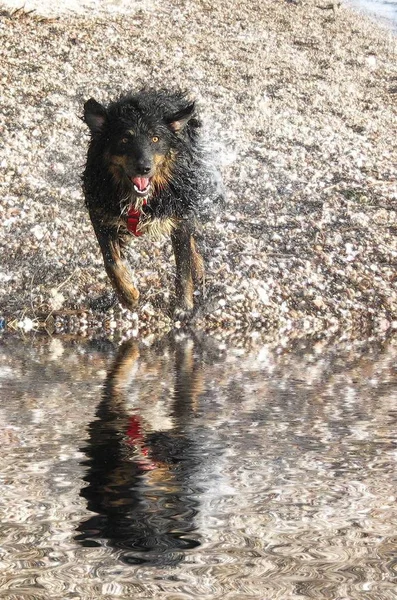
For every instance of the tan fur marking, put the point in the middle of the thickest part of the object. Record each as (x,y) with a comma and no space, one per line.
(120,276)
(163,170)
(117,165)
(159,159)
(121,280)
(119,160)
(188,293)
(197,261)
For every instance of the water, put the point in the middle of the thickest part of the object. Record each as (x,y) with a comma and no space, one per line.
(383,10)
(189,470)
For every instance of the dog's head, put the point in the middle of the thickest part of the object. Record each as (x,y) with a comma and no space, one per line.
(140,136)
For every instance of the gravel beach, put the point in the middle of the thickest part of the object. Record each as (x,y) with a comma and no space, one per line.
(299,105)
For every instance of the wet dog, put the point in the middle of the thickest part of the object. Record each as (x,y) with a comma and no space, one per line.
(145,173)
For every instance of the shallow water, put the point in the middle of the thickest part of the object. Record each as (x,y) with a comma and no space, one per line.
(187,470)
(385,10)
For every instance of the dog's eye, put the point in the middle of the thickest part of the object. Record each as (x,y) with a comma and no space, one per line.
(155,139)
(124,140)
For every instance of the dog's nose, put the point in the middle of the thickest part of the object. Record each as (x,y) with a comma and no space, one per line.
(143,168)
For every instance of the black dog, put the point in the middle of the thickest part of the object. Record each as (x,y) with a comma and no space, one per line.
(145,173)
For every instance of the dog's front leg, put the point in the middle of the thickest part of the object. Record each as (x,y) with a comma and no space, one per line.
(116,267)
(189,265)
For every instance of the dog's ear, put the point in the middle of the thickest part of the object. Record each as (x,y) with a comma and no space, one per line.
(94,115)
(178,120)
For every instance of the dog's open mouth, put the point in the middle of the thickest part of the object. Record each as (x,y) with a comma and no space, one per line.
(141,185)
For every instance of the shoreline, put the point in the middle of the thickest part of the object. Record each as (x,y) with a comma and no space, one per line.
(386,17)
(299,106)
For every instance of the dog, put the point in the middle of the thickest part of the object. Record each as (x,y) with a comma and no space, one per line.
(146,174)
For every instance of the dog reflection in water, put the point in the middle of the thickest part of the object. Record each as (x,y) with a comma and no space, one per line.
(143,455)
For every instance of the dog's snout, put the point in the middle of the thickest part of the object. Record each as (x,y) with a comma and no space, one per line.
(143,163)
(143,168)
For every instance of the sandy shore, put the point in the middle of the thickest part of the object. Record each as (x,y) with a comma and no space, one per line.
(300,107)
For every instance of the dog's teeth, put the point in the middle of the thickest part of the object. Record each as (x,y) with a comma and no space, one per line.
(141,191)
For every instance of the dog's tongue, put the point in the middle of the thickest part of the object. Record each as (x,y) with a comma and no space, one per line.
(141,182)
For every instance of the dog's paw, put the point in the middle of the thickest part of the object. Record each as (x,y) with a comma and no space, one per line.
(130,304)
(129,298)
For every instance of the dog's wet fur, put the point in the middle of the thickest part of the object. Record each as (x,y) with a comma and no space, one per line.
(145,154)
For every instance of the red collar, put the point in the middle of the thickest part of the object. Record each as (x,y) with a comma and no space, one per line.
(133,218)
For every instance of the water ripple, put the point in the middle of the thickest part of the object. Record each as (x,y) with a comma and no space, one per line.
(182,470)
